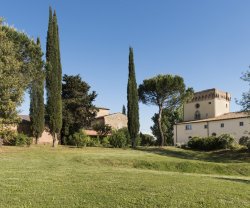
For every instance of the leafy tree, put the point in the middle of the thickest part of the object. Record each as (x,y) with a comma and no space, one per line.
(132,98)
(147,140)
(53,78)
(124,110)
(245,101)
(169,118)
(18,55)
(37,99)
(78,108)
(164,91)
(102,129)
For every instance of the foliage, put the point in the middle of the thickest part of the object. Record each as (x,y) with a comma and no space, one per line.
(164,91)
(18,55)
(78,108)
(147,140)
(37,99)
(53,78)
(15,139)
(118,139)
(245,101)
(124,110)
(105,141)
(169,118)
(224,141)
(132,98)
(102,129)
(244,140)
(80,139)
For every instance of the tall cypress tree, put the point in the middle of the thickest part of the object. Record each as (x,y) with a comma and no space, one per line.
(132,98)
(37,97)
(53,78)
(124,110)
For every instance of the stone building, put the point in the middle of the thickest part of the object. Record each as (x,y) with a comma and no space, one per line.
(207,114)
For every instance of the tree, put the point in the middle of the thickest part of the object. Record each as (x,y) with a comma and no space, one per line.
(102,129)
(123,110)
(245,101)
(78,108)
(164,91)
(132,98)
(18,55)
(53,78)
(169,118)
(37,99)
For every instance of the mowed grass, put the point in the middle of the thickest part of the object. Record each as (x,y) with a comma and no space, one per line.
(102,177)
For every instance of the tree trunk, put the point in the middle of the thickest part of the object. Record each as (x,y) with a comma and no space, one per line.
(160,127)
(54,140)
(133,143)
(36,140)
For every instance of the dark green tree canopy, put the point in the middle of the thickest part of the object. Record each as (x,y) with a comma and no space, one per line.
(124,110)
(78,108)
(245,101)
(164,91)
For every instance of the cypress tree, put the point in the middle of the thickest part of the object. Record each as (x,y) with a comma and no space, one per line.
(37,98)
(132,98)
(124,110)
(53,78)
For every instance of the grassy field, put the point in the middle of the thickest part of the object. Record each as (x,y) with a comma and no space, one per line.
(102,177)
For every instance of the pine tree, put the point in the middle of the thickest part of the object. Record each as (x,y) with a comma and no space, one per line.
(124,110)
(53,78)
(132,98)
(37,98)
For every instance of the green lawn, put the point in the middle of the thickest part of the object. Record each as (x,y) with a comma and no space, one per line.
(102,177)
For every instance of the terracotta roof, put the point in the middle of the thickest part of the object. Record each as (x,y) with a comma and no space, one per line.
(91,132)
(103,108)
(226,116)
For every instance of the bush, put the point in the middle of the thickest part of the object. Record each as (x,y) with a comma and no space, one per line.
(244,140)
(22,140)
(7,137)
(147,140)
(80,139)
(118,139)
(105,142)
(248,145)
(224,141)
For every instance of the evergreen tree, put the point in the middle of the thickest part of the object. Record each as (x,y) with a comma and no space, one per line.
(53,78)
(124,110)
(37,99)
(132,98)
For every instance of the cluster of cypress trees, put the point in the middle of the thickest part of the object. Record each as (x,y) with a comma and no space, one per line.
(53,78)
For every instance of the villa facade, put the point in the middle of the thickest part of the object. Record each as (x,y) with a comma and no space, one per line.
(207,114)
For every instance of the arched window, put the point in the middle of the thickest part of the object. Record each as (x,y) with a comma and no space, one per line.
(197,115)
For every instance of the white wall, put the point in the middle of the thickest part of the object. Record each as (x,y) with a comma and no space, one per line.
(232,127)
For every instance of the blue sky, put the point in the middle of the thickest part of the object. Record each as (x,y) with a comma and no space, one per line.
(207,42)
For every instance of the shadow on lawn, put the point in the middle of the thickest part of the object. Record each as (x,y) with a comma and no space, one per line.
(226,156)
(246,181)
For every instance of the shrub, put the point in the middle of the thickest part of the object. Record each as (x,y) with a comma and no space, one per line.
(7,137)
(224,141)
(118,139)
(22,140)
(79,139)
(244,140)
(248,145)
(105,142)
(147,140)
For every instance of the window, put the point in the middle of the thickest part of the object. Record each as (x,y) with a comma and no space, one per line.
(197,115)
(214,134)
(205,126)
(197,105)
(209,103)
(188,127)
(241,123)
(226,105)
(222,125)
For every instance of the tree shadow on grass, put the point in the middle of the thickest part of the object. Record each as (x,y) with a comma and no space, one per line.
(225,156)
(239,180)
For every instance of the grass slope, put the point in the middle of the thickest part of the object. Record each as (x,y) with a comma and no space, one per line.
(147,177)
